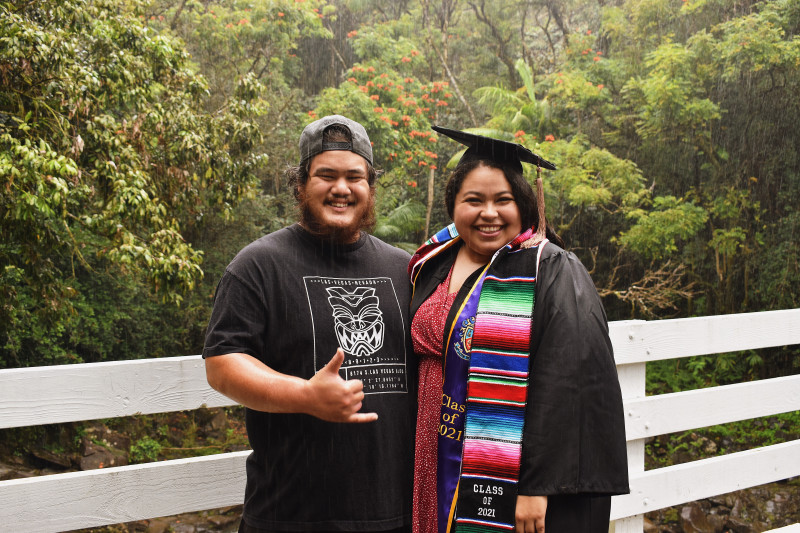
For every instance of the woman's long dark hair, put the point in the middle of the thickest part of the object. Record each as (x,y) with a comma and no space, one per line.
(524,195)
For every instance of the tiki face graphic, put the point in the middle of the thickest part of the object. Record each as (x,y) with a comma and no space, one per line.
(358,320)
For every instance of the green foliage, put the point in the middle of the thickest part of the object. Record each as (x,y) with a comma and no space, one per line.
(133,136)
(671,100)
(182,434)
(656,234)
(518,111)
(232,40)
(399,223)
(398,110)
(668,450)
(107,158)
(145,450)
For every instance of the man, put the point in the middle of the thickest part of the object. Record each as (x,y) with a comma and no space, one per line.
(309,333)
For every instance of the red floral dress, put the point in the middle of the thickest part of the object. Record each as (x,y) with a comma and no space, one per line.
(427,335)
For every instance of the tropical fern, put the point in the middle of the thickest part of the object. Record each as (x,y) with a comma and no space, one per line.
(401,227)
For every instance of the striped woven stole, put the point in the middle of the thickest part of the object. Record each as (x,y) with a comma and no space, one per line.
(497,388)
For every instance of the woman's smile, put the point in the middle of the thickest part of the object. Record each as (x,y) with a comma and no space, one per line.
(485,213)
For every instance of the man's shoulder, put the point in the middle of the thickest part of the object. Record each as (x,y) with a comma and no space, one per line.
(388,250)
(270,247)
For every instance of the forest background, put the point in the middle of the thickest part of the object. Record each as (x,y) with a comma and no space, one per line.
(142,144)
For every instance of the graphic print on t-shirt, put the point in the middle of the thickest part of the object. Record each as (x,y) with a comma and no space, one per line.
(363,317)
(358,318)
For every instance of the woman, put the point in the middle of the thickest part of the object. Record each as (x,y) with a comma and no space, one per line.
(520,414)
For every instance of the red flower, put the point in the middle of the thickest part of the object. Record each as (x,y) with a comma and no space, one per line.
(596,58)
(406,60)
(374,97)
(520,133)
(549,138)
(411,183)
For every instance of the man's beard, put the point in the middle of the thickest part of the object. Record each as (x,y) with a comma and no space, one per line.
(336,234)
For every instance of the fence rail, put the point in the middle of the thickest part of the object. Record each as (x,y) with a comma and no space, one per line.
(76,500)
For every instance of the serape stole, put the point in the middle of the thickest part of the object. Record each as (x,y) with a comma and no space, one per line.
(484,395)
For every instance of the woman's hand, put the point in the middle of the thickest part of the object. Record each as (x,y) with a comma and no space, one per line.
(530,514)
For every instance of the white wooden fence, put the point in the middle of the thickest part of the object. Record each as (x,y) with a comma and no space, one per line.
(76,500)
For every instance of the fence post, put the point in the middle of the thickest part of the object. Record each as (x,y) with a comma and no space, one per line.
(632,380)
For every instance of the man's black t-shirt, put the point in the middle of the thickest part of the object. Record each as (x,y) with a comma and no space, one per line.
(290,300)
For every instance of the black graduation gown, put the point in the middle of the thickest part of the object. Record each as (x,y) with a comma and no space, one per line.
(574,434)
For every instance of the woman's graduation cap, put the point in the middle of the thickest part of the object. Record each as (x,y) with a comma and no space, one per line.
(480,147)
(503,152)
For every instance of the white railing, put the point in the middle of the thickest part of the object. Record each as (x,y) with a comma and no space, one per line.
(70,393)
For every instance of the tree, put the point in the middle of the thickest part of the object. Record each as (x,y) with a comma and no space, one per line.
(398,108)
(106,156)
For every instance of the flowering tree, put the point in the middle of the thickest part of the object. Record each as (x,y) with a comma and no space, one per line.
(398,109)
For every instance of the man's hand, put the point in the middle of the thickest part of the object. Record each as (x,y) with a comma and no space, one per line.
(334,399)
(530,514)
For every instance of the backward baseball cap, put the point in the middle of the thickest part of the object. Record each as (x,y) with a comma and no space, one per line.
(311,139)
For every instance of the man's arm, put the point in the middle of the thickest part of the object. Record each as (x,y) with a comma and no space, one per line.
(250,382)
